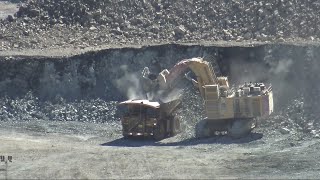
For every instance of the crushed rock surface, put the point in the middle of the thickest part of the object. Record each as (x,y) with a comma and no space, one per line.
(83,24)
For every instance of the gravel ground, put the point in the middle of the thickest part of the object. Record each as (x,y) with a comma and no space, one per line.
(66,151)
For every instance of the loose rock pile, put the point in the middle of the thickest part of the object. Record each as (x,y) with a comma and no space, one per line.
(82,23)
(30,108)
(191,112)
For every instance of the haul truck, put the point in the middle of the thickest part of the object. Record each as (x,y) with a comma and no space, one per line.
(150,119)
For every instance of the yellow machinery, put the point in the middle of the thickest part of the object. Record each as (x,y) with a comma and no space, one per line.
(227,110)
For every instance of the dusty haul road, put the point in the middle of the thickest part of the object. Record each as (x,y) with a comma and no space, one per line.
(64,150)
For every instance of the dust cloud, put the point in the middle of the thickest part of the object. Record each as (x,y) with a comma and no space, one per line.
(283,66)
(172,95)
(130,85)
(271,71)
(254,71)
(243,71)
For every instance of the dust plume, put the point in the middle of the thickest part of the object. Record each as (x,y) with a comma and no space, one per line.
(274,71)
(130,85)
(172,95)
(242,71)
(283,66)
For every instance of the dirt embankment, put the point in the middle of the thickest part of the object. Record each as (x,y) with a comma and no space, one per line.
(84,24)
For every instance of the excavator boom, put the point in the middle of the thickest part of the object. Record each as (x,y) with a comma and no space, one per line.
(202,69)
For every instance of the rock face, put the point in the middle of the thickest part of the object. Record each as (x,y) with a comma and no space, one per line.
(135,21)
(83,88)
(87,87)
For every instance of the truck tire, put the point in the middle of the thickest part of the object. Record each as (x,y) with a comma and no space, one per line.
(159,131)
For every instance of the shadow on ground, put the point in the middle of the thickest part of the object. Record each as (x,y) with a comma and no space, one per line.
(139,142)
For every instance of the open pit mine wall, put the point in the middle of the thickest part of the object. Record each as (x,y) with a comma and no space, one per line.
(111,75)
